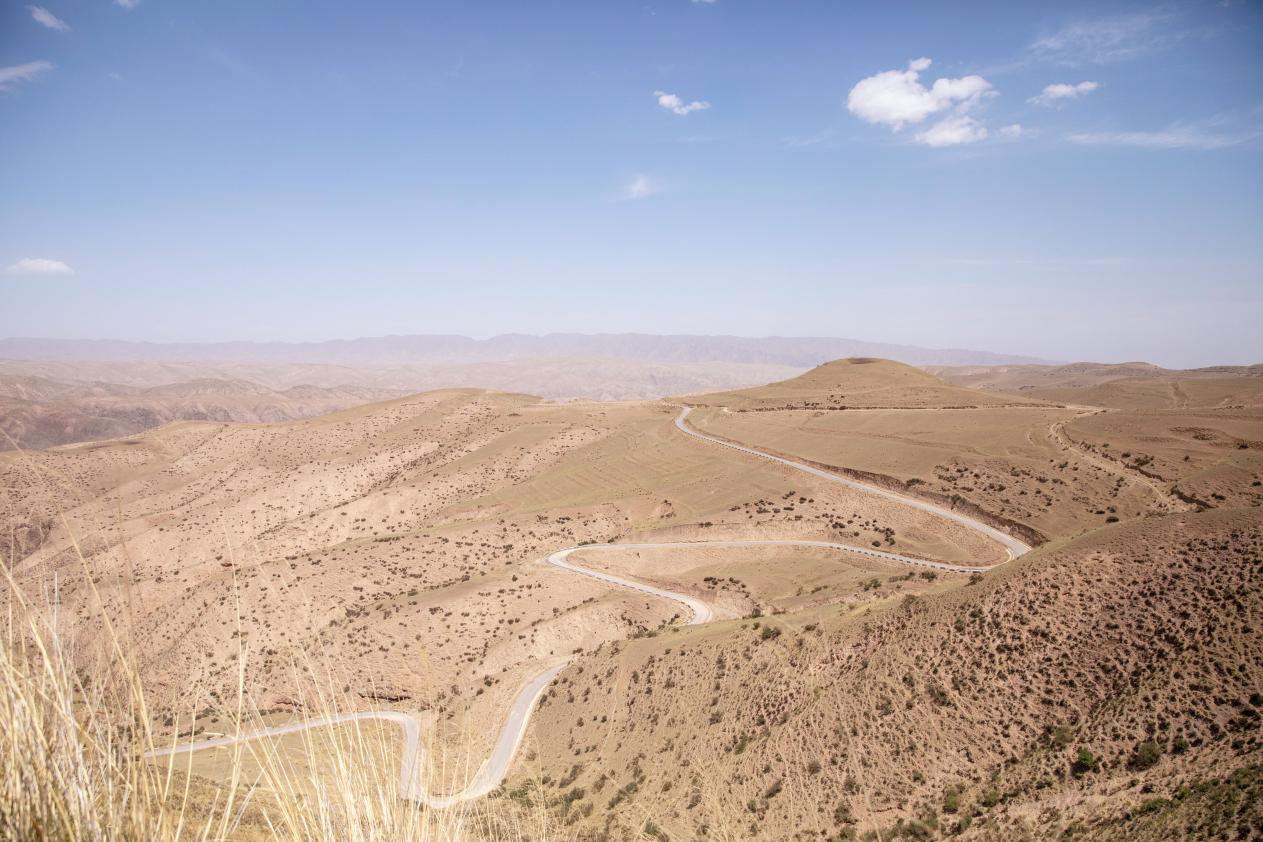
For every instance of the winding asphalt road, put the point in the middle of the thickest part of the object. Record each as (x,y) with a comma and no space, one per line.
(493,771)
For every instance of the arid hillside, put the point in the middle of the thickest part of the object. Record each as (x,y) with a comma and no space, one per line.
(1119,386)
(36,412)
(404,540)
(555,378)
(858,382)
(1061,471)
(1107,685)
(1105,689)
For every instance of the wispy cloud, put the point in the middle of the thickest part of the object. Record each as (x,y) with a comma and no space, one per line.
(1175,136)
(38,266)
(127,4)
(1057,93)
(1014,131)
(676,105)
(799,141)
(46,18)
(640,187)
(1107,39)
(18,73)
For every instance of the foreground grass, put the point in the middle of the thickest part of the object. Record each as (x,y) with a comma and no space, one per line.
(72,762)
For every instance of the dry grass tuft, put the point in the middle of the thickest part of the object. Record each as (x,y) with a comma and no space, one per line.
(72,762)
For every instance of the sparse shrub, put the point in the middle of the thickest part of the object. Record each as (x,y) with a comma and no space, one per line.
(938,695)
(1084,762)
(1058,736)
(1145,755)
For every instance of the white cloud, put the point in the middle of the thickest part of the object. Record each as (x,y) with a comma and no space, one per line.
(675,105)
(1177,136)
(10,76)
(1014,131)
(640,186)
(704,2)
(896,98)
(47,18)
(127,4)
(953,131)
(39,266)
(1053,94)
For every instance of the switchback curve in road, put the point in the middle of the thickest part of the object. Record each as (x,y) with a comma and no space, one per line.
(493,771)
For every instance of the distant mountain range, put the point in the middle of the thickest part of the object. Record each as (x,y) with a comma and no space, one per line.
(796,352)
(54,391)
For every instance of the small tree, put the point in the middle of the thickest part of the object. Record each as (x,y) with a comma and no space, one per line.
(1145,755)
(1085,762)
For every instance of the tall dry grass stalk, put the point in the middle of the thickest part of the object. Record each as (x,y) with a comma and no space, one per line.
(73,741)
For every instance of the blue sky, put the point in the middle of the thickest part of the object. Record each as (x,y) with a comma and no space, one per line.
(286,170)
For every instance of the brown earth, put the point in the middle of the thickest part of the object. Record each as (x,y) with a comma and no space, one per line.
(1119,386)
(400,545)
(36,412)
(859,382)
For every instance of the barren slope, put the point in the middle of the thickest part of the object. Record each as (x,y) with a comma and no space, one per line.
(36,412)
(1120,386)
(403,541)
(958,712)
(859,382)
(401,544)
(555,377)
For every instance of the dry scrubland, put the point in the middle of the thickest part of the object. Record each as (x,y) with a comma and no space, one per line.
(50,402)
(1108,685)
(1120,386)
(858,383)
(38,412)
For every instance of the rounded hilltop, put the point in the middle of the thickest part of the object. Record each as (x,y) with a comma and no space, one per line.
(856,383)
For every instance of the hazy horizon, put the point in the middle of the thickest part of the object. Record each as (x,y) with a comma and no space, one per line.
(1017,358)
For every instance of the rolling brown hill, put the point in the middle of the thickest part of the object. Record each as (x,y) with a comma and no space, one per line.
(857,383)
(36,412)
(1105,686)
(1118,386)
(556,378)
(1105,689)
